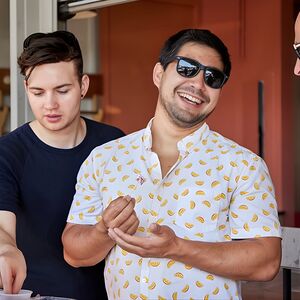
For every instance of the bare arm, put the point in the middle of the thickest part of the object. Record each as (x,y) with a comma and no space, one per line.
(12,262)
(256,259)
(86,245)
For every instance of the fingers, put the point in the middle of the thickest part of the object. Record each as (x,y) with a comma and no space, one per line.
(18,282)
(127,216)
(7,280)
(115,207)
(12,271)
(131,225)
(118,211)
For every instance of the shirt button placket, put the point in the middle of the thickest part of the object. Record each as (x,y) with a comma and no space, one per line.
(144,280)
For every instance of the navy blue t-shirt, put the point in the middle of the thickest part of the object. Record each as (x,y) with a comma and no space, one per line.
(37,183)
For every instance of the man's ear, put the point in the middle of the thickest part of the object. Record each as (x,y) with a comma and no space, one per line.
(85,82)
(157,74)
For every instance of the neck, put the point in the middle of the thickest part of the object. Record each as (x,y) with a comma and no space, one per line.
(66,138)
(166,133)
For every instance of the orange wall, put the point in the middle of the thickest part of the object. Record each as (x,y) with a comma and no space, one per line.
(132,35)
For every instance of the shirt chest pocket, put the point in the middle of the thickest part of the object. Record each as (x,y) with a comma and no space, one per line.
(200,212)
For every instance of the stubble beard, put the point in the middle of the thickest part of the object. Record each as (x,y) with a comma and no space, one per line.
(180,118)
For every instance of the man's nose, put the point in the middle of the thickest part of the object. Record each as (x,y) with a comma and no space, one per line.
(51,101)
(198,80)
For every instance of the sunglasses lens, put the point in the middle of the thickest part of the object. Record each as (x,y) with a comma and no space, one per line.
(214,78)
(297,49)
(189,68)
(298,52)
(186,68)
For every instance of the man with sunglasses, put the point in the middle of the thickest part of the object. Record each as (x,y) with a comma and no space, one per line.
(39,162)
(205,205)
(297,45)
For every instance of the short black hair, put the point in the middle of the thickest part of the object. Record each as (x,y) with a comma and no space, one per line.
(200,36)
(43,48)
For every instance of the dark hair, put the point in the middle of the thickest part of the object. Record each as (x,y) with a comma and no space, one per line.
(43,48)
(200,36)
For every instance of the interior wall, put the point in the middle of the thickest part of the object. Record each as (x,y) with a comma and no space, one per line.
(4,33)
(86,31)
(4,51)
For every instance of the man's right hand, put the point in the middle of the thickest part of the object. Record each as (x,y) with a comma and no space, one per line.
(12,269)
(120,213)
(12,261)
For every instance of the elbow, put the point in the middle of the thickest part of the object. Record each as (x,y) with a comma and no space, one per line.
(269,271)
(78,262)
(72,262)
(270,265)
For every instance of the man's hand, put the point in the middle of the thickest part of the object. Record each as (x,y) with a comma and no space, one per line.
(158,244)
(120,214)
(12,269)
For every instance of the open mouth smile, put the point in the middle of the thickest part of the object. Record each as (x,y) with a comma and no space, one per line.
(190,98)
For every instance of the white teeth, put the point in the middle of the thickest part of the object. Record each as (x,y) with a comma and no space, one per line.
(190,98)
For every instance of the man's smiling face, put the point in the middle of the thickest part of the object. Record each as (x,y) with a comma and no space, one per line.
(188,101)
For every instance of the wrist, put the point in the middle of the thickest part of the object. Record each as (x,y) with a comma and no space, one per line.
(176,250)
(8,248)
(101,226)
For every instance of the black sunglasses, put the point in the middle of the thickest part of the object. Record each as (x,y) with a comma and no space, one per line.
(297,49)
(188,67)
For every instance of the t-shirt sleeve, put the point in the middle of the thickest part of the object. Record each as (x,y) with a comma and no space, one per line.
(87,205)
(9,188)
(253,208)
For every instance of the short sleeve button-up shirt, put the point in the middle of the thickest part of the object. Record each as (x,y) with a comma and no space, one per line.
(216,191)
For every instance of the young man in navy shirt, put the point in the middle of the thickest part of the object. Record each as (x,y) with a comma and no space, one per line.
(39,162)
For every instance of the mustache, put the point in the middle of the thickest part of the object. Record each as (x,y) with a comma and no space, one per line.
(197,92)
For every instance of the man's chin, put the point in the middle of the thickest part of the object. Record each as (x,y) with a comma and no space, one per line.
(188,121)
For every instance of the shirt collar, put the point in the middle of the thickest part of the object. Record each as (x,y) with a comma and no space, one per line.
(187,144)
(147,136)
(190,142)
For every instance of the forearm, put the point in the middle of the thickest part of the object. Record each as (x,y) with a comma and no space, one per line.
(85,245)
(251,259)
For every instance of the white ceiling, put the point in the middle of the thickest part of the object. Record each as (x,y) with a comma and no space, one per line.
(80,5)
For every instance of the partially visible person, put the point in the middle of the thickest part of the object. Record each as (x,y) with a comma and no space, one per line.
(39,163)
(204,214)
(297,45)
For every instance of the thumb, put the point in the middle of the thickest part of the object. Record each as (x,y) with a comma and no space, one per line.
(155,228)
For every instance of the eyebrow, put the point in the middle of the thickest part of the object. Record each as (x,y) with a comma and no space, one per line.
(56,87)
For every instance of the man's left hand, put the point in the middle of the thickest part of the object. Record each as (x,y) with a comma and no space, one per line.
(157,244)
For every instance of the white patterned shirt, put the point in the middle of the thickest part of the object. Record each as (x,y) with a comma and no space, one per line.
(217,191)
